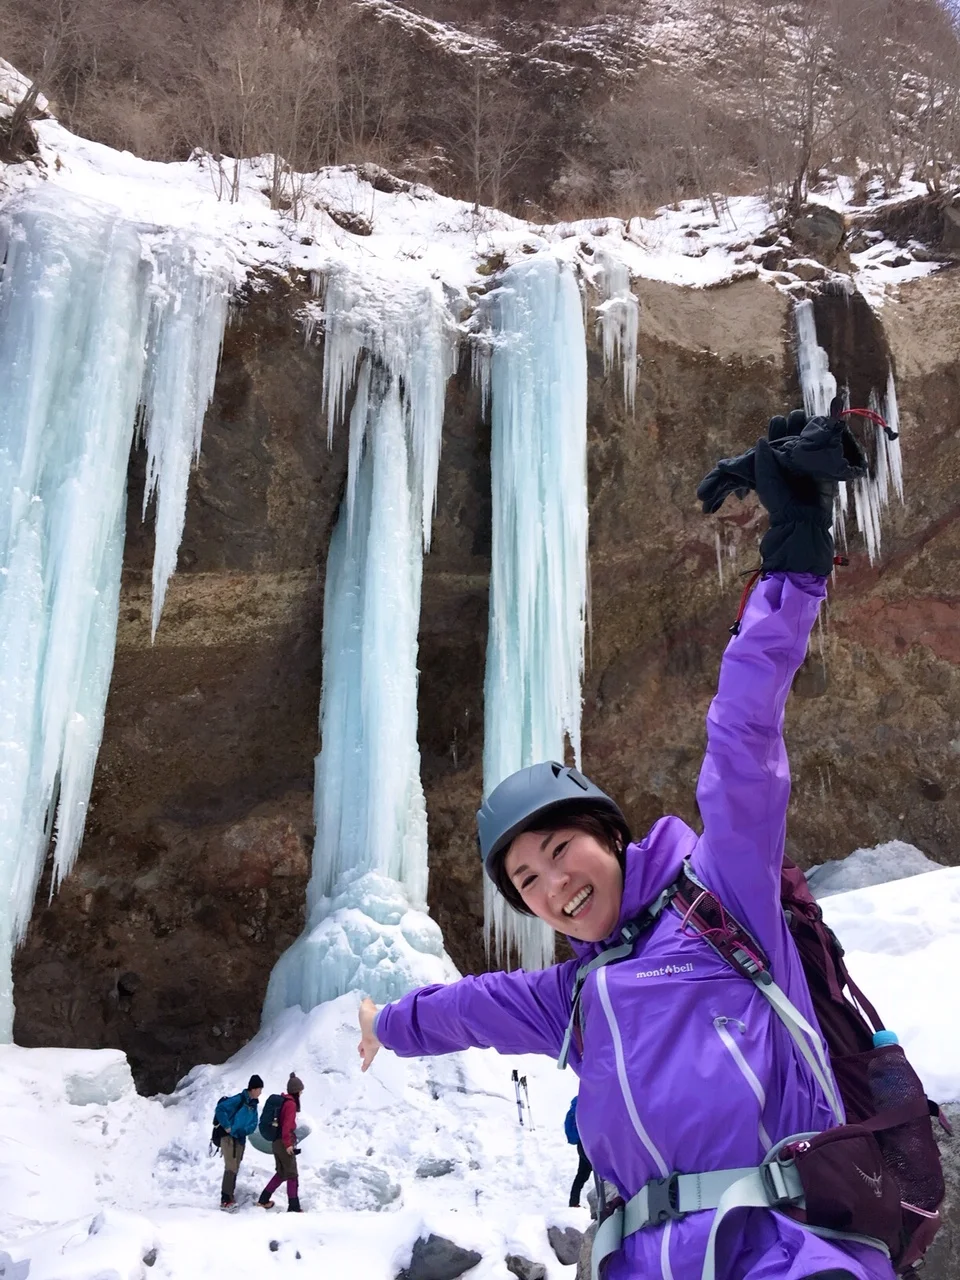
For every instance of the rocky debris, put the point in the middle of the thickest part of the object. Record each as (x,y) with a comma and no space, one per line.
(942,1261)
(148,1259)
(274,1246)
(586,1246)
(350,221)
(524,1269)
(370,1187)
(435,1168)
(806,270)
(436,1258)
(565,1243)
(382,180)
(818,230)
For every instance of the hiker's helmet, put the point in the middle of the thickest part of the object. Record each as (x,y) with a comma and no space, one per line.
(523,801)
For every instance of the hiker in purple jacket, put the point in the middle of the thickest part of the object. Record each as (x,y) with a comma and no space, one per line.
(684,1066)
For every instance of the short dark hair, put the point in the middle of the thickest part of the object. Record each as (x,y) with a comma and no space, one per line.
(596,820)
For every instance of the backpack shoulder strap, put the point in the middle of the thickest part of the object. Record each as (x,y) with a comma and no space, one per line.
(705,914)
(619,951)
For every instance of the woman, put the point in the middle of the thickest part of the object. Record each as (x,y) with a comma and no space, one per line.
(285,1149)
(683,1065)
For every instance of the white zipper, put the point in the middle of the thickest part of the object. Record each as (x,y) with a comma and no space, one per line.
(748,1073)
(665,1268)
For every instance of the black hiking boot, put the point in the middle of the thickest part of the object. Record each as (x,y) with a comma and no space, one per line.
(294,1205)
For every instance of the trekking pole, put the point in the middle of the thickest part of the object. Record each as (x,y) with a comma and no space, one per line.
(515,1077)
(526,1094)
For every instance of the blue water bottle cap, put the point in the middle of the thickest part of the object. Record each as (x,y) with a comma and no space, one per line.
(880,1038)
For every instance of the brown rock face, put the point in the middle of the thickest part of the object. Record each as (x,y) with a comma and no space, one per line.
(192,874)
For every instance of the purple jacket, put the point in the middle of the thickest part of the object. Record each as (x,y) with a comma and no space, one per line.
(685,1066)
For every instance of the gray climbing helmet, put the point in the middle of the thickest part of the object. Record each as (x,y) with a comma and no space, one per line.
(527,796)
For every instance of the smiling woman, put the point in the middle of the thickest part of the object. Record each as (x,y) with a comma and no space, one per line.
(693,1079)
(569,873)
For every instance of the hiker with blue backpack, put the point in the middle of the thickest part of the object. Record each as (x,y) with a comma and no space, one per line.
(728,1141)
(234,1120)
(584,1168)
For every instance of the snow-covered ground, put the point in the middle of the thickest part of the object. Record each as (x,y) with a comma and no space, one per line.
(414,232)
(96,1179)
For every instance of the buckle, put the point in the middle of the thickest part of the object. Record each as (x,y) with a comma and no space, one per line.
(775,1185)
(662,1200)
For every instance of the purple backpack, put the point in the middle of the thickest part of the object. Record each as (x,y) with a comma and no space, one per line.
(889,1118)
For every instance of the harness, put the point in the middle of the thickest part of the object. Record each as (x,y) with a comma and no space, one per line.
(773,1184)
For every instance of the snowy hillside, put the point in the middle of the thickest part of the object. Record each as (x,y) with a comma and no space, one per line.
(97,1180)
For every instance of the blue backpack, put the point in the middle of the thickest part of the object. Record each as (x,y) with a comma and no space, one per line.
(270,1117)
(570,1124)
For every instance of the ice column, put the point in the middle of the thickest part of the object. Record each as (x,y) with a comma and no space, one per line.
(392,343)
(871,495)
(538,583)
(81,341)
(618,320)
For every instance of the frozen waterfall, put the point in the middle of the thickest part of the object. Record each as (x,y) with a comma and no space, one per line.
(99,322)
(391,343)
(538,583)
(871,495)
(618,321)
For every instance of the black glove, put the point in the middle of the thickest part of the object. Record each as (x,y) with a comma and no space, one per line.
(795,472)
(738,475)
(796,480)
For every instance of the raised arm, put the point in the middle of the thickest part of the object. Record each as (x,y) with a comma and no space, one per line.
(744,785)
(515,1012)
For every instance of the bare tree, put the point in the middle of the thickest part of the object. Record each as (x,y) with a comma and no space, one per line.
(489,130)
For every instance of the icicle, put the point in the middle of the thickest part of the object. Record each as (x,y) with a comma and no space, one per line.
(618,321)
(538,585)
(871,495)
(719,547)
(817,383)
(188,316)
(75,308)
(367,928)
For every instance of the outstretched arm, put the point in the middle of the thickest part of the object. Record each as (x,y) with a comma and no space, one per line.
(516,1012)
(744,785)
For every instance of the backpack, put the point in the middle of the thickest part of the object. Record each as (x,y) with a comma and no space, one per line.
(219,1132)
(270,1117)
(570,1124)
(902,1126)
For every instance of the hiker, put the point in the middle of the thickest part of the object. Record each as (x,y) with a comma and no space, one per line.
(237,1117)
(685,1067)
(285,1149)
(584,1168)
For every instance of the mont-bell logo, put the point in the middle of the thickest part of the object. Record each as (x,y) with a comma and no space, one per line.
(667,971)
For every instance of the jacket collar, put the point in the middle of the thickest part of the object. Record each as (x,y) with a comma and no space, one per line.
(650,865)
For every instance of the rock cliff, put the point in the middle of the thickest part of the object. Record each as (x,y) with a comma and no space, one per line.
(192,874)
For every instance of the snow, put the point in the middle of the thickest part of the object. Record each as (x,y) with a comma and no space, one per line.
(140,1173)
(91,1188)
(538,579)
(894,860)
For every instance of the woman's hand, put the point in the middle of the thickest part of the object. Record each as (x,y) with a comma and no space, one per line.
(369,1044)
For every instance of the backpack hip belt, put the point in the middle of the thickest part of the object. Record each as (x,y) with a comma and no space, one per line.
(786,1180)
